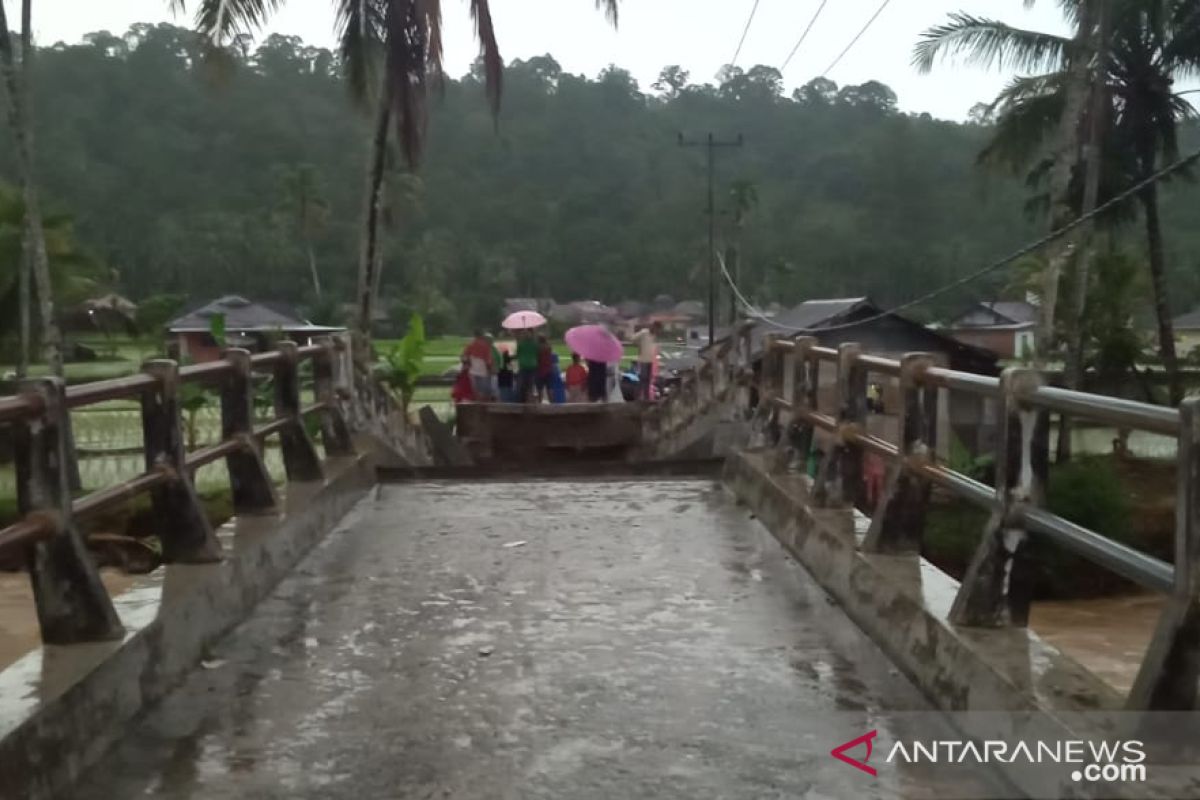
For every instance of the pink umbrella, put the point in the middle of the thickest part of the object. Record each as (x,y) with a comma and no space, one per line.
(523,321)
(595,343)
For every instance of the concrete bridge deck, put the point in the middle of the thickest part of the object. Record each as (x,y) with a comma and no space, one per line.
(555,639)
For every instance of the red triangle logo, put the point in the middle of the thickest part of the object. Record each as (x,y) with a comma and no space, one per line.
(839,753)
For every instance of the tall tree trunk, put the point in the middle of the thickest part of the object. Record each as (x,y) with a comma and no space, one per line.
(1065,157)
(312,267)
(1158,278)
(25,267)
(368,263)
(20,119)
(1091,193)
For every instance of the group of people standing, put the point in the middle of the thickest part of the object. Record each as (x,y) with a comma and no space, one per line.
(488,373)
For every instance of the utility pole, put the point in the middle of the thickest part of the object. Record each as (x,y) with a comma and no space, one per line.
(711,143)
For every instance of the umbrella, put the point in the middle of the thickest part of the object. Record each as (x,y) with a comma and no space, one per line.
(595,343)
(523,321)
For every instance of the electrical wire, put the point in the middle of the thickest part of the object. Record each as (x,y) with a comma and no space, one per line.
(745,31)
(857,36)
(1037,244)
(804,35)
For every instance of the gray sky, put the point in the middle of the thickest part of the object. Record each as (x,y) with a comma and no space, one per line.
(654,33)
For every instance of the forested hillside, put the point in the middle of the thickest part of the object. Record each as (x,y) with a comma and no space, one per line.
(200,178)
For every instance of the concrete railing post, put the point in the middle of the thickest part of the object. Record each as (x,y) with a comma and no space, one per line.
(840,483)
(300,458)
(742,366)
(898,523)
(998,586)
(72,604)
(335,433)
(343,372)
(1167,680)
(184,529)
(766,376)
(249,479)
(807,378)
(767,413)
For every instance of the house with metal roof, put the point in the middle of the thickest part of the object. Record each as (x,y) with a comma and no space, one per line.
(1006,327)
(1187,332)
(253,325)
(836,321)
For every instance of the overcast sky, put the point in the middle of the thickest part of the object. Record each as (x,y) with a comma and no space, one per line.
(699,35)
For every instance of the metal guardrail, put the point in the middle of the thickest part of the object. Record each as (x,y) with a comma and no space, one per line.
(995,592)
(72,603)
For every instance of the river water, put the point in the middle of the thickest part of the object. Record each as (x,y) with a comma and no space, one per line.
(1108,635)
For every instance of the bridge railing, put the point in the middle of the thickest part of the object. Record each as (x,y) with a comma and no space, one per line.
(72,603)
(996,590)
(722,377)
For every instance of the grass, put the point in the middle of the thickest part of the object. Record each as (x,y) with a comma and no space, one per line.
(117,357)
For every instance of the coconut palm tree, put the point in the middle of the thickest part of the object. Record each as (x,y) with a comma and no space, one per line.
(73,273)
(1150,43)
(36,261)
(392,53)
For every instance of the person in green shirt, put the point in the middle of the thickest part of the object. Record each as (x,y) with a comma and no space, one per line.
(527,363)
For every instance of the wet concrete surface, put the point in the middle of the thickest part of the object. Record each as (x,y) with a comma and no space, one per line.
(588,639)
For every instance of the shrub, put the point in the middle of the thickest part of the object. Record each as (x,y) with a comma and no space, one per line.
(1088,492)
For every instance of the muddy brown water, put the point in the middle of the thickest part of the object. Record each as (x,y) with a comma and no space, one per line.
(18,618)
(1108,635)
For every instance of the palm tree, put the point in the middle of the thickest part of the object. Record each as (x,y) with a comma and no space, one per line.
(404,37)
(73,273)
(1150,43)
(20,117)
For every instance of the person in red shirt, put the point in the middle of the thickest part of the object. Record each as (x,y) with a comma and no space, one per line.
(463,392)
(576,380)
(481,366)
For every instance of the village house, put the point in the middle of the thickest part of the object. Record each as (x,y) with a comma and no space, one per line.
(247,324)
(1006,327)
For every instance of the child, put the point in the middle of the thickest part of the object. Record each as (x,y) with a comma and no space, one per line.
(506,380)
(554,383)
(576,380)
(463,391)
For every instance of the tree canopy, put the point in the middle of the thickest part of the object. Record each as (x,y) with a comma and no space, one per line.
(174,168)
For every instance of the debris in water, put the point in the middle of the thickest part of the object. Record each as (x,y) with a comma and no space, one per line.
(216,663)
(485,651)
(518,543)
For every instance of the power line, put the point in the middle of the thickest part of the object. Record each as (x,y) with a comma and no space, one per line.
(804,35)
(857,36)
(1037,244)
(746,30)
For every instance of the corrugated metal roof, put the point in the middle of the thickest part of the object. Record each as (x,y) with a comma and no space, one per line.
(240,315)
(1189,321)
(1005,313)
(815,313)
